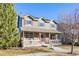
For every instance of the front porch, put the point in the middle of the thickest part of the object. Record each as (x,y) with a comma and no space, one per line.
(30,39)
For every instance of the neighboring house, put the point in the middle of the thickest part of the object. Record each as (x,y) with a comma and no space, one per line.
(38,31)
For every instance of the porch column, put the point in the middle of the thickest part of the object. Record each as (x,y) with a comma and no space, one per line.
(33,36)
(22,40)
(49,36)
(23,34)
(40,37)
(50,43)
(57,40)
(56,36)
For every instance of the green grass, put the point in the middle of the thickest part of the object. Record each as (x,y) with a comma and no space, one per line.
(24,51)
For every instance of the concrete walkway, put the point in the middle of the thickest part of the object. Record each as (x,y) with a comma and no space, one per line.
(58,49)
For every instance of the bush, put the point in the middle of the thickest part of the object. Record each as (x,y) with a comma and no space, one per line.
(77,44)
(9,41)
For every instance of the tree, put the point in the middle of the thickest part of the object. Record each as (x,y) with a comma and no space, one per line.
(69,28)
(75,19)
(64,26)
(8,30)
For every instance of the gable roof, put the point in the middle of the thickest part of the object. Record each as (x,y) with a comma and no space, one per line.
(37,18)
(54,21)
(42,18)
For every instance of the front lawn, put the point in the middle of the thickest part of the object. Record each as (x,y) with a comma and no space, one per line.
(76,52)
(59,54)
(67,46)
(14,52)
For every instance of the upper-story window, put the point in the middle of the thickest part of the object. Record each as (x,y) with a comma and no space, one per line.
(52,25)
(28,22)
(41,24)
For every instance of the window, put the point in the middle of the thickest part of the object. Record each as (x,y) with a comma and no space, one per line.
(41,24)
(52,25)
(29,35)
(52,37)
(28,22)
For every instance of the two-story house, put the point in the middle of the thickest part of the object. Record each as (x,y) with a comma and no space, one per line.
(38,31)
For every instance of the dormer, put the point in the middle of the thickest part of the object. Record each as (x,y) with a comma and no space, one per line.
(41,23)
(27,21)
(41,20)
(52,24)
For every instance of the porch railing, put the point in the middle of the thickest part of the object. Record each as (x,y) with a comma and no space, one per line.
(55,42)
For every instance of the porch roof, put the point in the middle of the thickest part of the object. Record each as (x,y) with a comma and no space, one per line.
(41,30)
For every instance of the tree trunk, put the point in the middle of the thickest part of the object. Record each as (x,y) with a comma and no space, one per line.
(72,46)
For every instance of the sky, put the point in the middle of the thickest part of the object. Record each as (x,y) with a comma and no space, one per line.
(49,11)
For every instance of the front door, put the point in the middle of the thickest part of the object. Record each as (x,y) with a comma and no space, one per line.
(42,38)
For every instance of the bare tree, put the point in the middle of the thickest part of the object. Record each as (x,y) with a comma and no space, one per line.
(69,26)
(64,25)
